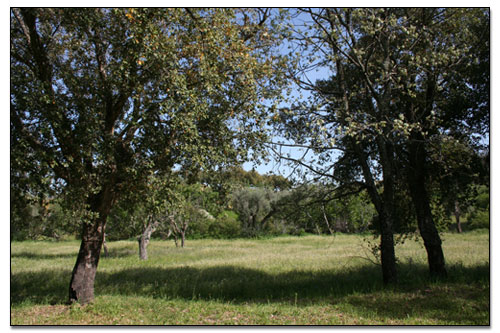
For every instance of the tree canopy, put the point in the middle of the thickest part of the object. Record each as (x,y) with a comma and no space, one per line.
(396,95)
(101,98)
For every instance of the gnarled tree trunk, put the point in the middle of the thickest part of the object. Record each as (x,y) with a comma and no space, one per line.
(145,238)
(183,239)
(178,229)
(81,287)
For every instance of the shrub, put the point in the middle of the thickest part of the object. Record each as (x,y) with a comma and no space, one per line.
(225,226)
(480,219)
(198,228)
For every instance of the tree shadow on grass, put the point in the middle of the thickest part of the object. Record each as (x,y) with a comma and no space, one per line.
(112,253)
(455,304)
(122,252)
(236,284)
(461,299)
(42,256)
(42,287)
(360,287)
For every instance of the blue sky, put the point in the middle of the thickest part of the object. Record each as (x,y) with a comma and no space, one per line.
(274,166)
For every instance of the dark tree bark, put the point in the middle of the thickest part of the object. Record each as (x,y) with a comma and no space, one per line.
(387,253)
(418,181)
(384,207)
(421,201)
(105,245)
(81,287)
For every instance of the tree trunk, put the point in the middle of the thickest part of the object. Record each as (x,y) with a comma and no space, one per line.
(174,229)
(183,238)
(384,207)
(143,247)
(105,246)
(429,233)
(457,217)
(383,203)
(171,233)
(325,217)
(421,202)
(387,253)
(82,280)
(81,287)
(145,238)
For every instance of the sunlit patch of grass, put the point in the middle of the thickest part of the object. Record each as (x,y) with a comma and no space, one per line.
(312,280)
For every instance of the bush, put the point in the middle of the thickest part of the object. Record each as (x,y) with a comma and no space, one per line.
(301,232)
(36,222)
(480,219)
(225,226)
(198,228)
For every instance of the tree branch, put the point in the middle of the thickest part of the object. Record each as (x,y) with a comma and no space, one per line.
(58,168)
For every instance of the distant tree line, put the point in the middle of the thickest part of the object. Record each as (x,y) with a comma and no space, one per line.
(255,206)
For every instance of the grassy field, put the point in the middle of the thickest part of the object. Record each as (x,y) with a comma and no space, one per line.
(311,280)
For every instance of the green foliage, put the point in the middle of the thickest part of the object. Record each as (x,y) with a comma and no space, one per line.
(125,222)
(115,99)
(361,212)
(252,205)
(479,217)
(42,220)
(401,98)
(441,216)
(483,198)
(103,98)
(225,226)
(314,209)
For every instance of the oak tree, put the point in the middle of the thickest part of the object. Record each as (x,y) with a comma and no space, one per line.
(101,98)
(400,84)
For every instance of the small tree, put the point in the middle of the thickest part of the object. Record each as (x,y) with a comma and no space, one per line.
(252,206)
(179,221)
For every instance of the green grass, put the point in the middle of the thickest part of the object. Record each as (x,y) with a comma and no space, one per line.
(312,280)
